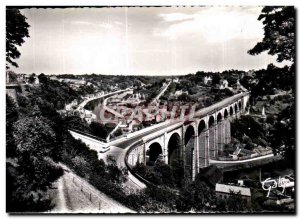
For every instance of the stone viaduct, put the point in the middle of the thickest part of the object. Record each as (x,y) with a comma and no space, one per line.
(193,141)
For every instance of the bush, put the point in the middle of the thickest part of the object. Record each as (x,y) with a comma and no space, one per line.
(99,130)
(246,125)
(270,119)
(228,92)
(259,98)
(279,98)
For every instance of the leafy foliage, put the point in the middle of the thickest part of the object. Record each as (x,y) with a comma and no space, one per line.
(196,195)
(279,39)
(54,93)
(25,188)
(282,136)
(34,135)
(279,36)
(16,31)
(273,78)
(163,174)
(32,171)
(99,130)
(235,203)
(12,116)
(247,126)
(160,174)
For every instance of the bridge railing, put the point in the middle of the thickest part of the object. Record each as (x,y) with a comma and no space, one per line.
(217,106)
(129,167)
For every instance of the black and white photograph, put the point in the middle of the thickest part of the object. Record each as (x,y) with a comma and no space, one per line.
(142,110)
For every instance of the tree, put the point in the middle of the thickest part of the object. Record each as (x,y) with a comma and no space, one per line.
(34,136)
(282,137)
(12,77)
(279,36)
(23,193)
(184,97)
(16,31)
(33,171)
(246,125)
(273,78)
(197,195)
(178,172)
(216,79)
(12,115)
(236,203)
(165,173)
(11,111)
(43,78)
(31,78)
(98,130)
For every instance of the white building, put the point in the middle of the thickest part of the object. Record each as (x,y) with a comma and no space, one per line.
(68,107)
(89,117)
(54,78)
(224,84)
(207,79)
(75,102)
(180,92)
(73,81)
(176,80)
(36,81)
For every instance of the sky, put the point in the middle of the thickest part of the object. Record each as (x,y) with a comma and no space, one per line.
(142,40)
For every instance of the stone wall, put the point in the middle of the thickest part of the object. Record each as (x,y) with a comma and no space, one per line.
(11,92)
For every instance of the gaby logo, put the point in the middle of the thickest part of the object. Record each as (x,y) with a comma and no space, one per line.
(281,182)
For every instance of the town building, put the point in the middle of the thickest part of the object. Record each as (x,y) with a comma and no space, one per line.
(223,84)
(176,80)
(207,80)
(225,191)
(89,117)
(241,153)
(180,92)
(53,78)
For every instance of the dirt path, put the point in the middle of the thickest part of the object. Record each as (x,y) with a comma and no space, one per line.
(74,195)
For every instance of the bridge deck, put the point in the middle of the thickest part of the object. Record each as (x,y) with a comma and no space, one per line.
(157,129)
(217,106)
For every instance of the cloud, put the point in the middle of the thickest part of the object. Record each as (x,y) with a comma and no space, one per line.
(87,23)
(165,40)
(118,23)
(176,17)
(217,24)
(81,22)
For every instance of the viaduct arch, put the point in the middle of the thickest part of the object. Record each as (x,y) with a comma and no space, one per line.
(174,149)
(190,150)
(154,151)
